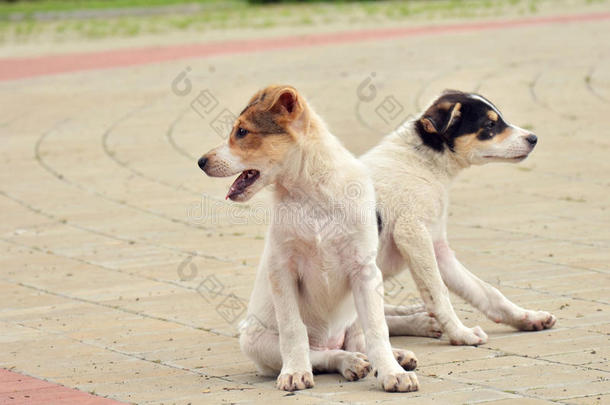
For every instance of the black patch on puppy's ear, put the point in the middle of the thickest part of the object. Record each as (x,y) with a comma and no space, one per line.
(435,127)
(428,134)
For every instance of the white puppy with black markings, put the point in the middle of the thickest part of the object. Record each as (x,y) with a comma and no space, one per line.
(317,304)
(412,171)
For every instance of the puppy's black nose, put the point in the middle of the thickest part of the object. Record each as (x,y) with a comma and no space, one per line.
(202,162)
(532,139)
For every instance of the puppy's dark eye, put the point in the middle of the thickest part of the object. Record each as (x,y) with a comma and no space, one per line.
(241,132)
(490,125)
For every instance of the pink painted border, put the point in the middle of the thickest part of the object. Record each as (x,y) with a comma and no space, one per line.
(19,389)
(18,68)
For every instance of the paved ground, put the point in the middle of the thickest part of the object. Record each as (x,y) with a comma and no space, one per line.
(124,273)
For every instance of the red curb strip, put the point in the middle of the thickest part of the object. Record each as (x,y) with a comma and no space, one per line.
(18,68)
(20,389)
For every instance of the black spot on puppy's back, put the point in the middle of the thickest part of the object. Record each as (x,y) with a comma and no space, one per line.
(379,221)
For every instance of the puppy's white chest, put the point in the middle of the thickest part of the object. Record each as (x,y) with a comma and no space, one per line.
(319,230)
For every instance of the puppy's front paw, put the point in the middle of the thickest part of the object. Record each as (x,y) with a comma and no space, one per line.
(354,366)
(399,382)
(405,358)
(536,320)
(468,337)
(298,380)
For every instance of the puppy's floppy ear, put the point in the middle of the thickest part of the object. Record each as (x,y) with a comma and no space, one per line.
(286,102)
(439,118)
(436,124)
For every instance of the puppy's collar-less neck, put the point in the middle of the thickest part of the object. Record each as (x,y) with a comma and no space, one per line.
(312,163)
(446,161)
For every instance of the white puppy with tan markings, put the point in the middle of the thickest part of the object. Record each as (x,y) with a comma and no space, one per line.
(316,304)
(412,170)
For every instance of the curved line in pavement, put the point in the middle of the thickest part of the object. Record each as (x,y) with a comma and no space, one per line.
(539,101)
(589,83)
(125,164)
(176,187)
(169,134)
(500,69)
(419,94)
(51,170)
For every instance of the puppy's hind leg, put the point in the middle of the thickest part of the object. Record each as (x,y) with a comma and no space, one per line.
(354,341)
(418,324)
(412,320)
(261,345)
(485,297)
(389,309)
(351,365)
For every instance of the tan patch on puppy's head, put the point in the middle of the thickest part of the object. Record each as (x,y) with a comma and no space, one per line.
(264,130)
(470,145)
(260,139)
(465,145)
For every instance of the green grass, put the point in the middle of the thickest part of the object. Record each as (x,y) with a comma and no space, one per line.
(29,7)
(20,22)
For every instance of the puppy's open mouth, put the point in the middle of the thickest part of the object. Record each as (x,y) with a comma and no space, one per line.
(242,182)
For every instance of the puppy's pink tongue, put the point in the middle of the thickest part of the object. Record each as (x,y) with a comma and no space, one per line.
(238,186)
(243,181)
(232,190)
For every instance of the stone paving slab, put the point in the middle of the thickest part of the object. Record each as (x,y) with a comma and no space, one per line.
(110,234)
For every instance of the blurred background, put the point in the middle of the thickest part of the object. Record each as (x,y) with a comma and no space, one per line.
(59,21)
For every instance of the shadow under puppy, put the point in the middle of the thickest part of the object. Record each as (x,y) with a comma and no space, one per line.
(317,301)
(412,170)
